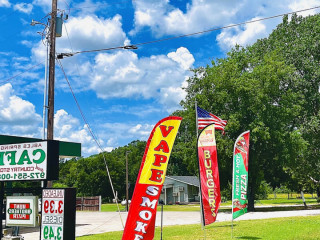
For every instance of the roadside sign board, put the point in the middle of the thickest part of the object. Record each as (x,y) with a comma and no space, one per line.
(31,161)
(58,214)
(22,211)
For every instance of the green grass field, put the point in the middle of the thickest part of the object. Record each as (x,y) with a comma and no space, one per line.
(282,199)
(300,228)
(279,228)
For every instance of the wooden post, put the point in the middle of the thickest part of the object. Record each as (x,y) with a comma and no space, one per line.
(52,59)
(1,206)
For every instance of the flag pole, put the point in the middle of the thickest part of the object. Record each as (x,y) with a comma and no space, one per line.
(200,194)
(161,202)
(232,188)
(196,108)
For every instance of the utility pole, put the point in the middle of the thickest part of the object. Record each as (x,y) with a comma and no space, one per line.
(52,59)
(127,188)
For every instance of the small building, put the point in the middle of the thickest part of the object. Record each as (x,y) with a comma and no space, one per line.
(180,189)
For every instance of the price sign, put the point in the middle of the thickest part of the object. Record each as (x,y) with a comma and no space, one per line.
(52,214)
(58,214)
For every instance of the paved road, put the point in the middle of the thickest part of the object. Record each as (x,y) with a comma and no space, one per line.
(88,223)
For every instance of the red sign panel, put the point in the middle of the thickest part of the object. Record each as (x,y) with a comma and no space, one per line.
(209,175)
(142,214)
(19,211)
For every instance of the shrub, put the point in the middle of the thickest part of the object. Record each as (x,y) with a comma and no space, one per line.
(263,190)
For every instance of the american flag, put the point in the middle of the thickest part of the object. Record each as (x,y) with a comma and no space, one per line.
(205,118)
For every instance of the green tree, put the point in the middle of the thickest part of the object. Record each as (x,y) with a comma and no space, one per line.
(302,36)
(272,89)
(254,92)
(89,175)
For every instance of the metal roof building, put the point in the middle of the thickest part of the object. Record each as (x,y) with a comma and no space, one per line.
(180,189)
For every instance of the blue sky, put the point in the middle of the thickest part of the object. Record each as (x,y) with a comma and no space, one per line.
(122,93)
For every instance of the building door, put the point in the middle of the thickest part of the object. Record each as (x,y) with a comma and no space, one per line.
(181,196)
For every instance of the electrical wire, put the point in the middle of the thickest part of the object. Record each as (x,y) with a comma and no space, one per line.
(7,15)
(68,5)
(87,124)
(7,80)
(102,4)
(228,26)
(193,34)
(92,134)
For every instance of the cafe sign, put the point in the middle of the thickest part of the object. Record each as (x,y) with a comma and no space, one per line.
(29,161)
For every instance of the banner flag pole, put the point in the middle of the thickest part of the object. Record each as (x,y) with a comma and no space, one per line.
(240,176)
(197,132)
(161,202)
(195,103)
(232,193)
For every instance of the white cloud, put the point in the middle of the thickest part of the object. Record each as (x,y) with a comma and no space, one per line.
(90,32)
(183,57)
(171,97)
(17,116)
(228,38)
(5,3)
(38,51)
(124,75)
(45,4)
(140,130)
(125,132)
(80,8)
(84,33)
(23,59)
(252,31)
(302,4)
(23,7)
(68,128)
(164,18)
(89,7)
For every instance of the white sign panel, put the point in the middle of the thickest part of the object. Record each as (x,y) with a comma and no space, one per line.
(23,161)
(52,222)
(22,211)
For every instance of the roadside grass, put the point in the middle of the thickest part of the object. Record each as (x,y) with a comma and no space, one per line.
(291,228)
(280,200)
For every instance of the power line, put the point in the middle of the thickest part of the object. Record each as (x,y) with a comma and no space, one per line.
(225,27)
(7,15)
(101,5)
(164,39)
(133,46)
(7,80)
(67,4)
(92,134)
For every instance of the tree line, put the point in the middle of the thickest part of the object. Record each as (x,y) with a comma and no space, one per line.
(270,88)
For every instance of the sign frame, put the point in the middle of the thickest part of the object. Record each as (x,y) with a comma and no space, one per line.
(23,172)
(50,211)
(18,201)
